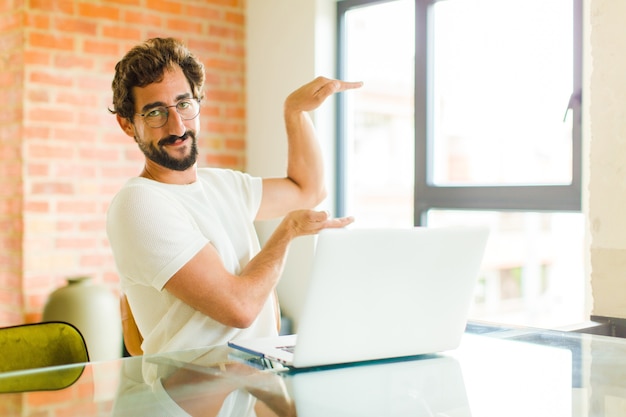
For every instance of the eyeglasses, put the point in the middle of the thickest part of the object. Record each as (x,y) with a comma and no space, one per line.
(157,117)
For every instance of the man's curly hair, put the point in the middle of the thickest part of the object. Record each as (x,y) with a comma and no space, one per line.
(145,64)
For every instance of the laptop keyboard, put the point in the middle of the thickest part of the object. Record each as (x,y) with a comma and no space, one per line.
(289,349)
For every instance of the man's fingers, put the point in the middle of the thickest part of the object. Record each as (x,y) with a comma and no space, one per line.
(338,222)
(335,86)
(349,85)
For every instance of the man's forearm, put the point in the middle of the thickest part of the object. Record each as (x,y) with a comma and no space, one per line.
(305,166)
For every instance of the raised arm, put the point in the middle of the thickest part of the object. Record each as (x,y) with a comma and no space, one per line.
(304,186)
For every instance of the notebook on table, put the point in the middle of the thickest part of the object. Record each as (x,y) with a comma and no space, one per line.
(381,293)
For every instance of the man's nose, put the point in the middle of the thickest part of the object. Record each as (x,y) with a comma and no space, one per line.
(175,123)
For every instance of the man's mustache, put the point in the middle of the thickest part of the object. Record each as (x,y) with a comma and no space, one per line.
(173,138)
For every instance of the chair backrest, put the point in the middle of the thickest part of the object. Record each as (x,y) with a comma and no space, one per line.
(40,345)
(132,336)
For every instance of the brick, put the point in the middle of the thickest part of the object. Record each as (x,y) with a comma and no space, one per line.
(37,150)
(56,6)
(236,18)
(235,144)
(92,10)
(50,115)
(222,160)
(38,96)
(75,25)
(79,99)
(231,51)
(76,207)
(11,169)
(75,243)
(238,113)
(101,47)
(220,64)
(184,25)
(37,169)
(10,22)
(36,132)
(37,21)
(101,155)
(226,32)
(223,127)
(205,47)
(92,226)
(10,115)
(222,96)
(51,79)
(93,260)
(74,61)
(75,170)
(10,79)
(125,2)
(50,41)
(121,32)
(205,13)
(36,207)
(142,18)
(9,153)
(165,6)
(52,188)
(35,58)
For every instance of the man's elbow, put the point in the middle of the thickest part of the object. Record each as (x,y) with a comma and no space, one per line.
(241,319)
(316,197)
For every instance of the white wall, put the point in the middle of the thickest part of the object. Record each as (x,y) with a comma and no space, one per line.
(607,156)
(289,43)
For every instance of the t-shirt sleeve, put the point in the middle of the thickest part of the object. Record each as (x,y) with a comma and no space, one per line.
(151,235)
(243,188)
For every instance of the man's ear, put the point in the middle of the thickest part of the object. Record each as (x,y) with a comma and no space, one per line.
(126,125)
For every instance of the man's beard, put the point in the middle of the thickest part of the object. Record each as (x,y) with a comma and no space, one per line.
(161,157)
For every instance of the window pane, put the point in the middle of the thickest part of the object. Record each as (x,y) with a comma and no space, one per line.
(502,73)
(379,132)
(533,266)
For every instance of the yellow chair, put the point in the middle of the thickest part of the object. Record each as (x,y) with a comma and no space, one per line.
(132,335)
(32,348)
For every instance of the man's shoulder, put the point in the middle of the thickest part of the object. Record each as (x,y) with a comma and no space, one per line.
(225,175)
(212,172)
(141,192)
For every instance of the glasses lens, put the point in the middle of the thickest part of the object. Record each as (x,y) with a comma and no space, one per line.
(156,117)
(188,109)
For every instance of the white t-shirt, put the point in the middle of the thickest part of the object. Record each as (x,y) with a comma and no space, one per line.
(155,228)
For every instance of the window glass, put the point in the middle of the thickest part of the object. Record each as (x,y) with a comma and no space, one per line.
(502,73)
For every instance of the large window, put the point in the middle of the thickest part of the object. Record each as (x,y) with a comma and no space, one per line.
(470,114)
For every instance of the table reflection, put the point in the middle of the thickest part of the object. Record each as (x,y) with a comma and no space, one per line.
(216,383)
(206,383)
(429,386)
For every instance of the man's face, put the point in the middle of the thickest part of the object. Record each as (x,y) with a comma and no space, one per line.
(172,145)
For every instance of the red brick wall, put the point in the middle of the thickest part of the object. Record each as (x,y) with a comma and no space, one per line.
(11,185)
(63,155)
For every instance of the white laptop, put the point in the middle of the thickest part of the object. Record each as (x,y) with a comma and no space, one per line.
(381,293)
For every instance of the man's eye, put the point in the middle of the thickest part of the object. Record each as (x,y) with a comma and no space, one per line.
(183,105)
(156,113)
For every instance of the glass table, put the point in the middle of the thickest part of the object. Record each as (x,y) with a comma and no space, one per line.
(497,371)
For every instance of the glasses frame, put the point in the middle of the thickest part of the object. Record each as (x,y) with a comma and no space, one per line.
(167,112)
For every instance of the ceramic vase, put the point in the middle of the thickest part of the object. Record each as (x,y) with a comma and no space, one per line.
(94,310)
